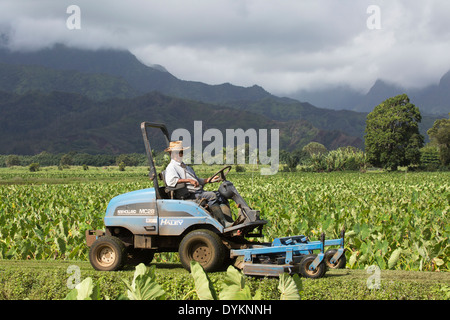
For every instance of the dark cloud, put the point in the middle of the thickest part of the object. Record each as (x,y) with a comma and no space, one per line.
(281,45)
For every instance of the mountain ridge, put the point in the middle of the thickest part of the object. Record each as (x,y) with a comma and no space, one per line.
(431,100)
(42,81)
(60,122)
(123,64)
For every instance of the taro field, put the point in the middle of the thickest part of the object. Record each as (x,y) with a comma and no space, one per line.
(393,220)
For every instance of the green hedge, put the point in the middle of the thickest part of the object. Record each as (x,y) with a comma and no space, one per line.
(46,280)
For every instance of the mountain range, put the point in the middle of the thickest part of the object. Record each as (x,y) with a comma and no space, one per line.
(431,100)
(62,99)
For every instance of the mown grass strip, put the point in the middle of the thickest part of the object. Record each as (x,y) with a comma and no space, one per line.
(48,280)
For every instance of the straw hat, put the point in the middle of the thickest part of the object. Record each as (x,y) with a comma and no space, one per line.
(175,146)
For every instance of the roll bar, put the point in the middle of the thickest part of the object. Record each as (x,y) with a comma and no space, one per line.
(152,173)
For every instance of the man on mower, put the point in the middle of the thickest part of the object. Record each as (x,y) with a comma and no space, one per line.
(178,172)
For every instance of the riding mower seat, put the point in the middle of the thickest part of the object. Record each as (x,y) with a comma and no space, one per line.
(180,191)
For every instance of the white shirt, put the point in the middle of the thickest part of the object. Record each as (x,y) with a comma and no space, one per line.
(178,170)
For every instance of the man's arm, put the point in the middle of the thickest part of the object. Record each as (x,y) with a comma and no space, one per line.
(173,178)
(201,180)
(190,181)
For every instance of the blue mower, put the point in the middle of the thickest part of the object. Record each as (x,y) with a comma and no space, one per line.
(140,223)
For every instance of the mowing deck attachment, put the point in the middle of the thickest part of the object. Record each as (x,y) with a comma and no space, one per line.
(293,254)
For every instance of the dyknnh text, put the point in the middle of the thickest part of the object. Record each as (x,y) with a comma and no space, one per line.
(226,309)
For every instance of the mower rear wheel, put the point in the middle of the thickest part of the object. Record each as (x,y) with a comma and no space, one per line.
(107,253)
(203,246)
(312,274)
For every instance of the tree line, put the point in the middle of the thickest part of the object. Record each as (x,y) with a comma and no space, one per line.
(73,159)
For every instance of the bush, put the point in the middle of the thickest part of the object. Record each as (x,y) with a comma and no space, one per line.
(315,148)
(345,158)
(33,167)
(429,158)
(293,159)
(318,163)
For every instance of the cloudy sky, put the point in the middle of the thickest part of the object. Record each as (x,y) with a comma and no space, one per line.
(282,45)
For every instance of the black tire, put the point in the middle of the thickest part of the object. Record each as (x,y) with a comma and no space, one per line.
(137,256)
(203,246)
(107,254)
(340,264)
(312,274)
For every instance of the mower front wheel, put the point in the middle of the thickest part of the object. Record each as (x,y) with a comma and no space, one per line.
(107,254)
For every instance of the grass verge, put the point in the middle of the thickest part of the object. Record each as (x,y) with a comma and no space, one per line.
(48,280)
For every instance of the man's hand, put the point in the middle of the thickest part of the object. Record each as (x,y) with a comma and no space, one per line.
(190,181)
(213,179)
(193,182)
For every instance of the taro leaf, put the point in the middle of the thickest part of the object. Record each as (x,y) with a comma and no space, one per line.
(352,260)
(357,228)
(379,259)
(63,228)
(289,287)
(203,285)
(73,253)
(141,270)
(257,295)
(365,231)
(395,256)
(61,245)
(234,287)
(38,233)
(439,262)
(144,286)
(234,292)
(146,289)
(234,277)
(72,295)
(85,290)
(350,234)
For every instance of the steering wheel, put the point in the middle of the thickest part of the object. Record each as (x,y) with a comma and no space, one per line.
(221,174)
